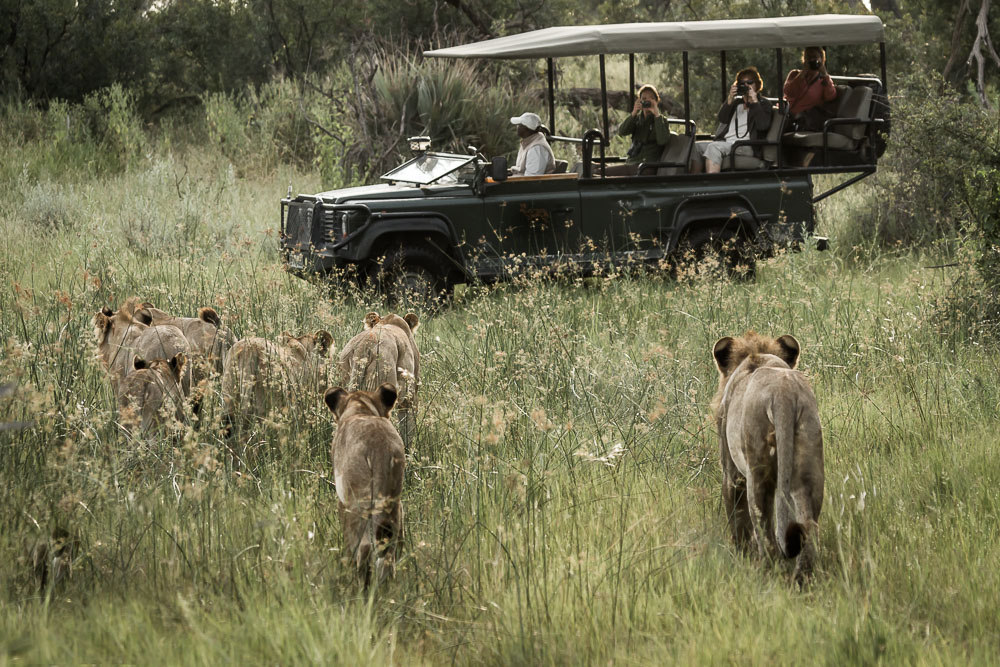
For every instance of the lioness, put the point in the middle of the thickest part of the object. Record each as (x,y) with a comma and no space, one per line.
(368,463)
(115,334)
(385,352)
(771,447)
(205,332)
(260,375)
(151,394)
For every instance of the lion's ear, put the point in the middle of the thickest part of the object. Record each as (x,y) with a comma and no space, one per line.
(208,314)
(177,364)
(107,312)
(324,339)
(336,400)
(102,325)
(723,353)
(371,319)
(789,350)
(411,319)
(139,363)
(387,396)
(143,316)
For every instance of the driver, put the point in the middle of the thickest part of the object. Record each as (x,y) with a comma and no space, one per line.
(534,157)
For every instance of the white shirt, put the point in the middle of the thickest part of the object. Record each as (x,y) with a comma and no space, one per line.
(739,128)
(534,157)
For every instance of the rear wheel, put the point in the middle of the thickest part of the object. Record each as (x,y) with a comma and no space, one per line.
(716,254)
(412,275)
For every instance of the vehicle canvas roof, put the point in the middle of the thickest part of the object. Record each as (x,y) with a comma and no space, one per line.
(724,35)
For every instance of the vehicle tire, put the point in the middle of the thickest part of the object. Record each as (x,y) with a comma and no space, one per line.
(714,254)
(412,276)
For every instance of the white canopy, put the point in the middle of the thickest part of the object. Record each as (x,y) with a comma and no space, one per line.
(728,35)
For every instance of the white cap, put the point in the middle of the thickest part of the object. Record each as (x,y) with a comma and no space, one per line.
(529,120)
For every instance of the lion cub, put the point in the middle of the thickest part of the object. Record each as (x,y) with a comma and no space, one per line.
(771,446)
(386,351)
(261,376)
(151,394)
(368,463)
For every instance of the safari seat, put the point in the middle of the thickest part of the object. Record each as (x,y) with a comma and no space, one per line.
(841,134)
(676,154)
(561,166)
(740,160)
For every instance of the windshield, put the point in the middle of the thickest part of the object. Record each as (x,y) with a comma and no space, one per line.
(428,167)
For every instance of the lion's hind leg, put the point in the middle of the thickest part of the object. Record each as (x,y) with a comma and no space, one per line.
(734,497)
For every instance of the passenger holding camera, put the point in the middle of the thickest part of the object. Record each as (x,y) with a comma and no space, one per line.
(648,129)
(808,89)
(744,116)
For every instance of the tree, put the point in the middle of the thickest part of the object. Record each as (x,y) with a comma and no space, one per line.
(982,46)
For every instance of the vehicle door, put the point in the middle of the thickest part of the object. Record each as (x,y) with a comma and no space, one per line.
(535,217)
(627,217)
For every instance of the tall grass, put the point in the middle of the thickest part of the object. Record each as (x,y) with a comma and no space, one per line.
(562,490)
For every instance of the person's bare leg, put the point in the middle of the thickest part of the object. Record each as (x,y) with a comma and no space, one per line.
(711,167)
(694,167)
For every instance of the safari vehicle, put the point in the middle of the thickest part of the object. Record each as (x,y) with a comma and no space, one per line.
(443,218)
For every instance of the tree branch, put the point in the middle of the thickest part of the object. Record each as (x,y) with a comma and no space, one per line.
(470,13)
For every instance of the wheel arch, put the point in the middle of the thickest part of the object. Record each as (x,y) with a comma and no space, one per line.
(720,215)
(434,231)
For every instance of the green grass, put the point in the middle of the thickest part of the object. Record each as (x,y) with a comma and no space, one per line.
(562,493)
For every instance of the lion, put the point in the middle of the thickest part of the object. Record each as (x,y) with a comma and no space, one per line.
(260,375)
(205,332)
(385,351)
(771,447)
(115,334)
(151,395)
(368,464)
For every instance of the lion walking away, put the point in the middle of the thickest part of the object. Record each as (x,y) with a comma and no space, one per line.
(770,446)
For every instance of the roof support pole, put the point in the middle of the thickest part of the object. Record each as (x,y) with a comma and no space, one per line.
(885,81)
(725,75)
(687,91)
(604,100)
(552,96)
(631,81)
(778,74)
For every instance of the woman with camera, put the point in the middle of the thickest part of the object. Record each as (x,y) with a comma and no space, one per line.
(808,89)
(744,116)
(648,129)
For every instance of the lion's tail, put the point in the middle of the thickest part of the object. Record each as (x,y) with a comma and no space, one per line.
(789,532)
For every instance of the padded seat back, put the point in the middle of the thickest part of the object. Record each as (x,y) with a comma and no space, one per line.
(857,103)
(677,150)
(768,154)
(561,166)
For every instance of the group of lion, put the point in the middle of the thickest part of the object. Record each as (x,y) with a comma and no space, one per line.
(770,439)
(161,368)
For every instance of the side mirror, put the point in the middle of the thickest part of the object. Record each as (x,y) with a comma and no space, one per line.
(498,168)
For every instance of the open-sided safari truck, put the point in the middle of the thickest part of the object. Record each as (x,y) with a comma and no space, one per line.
(443,218)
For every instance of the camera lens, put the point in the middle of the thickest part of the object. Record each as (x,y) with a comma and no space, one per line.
(646,104)
(814,64)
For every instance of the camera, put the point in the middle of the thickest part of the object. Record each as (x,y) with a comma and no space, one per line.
(742,88)
(646,104)
(814,64)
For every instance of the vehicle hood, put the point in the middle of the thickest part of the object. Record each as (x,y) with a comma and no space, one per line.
(383,191)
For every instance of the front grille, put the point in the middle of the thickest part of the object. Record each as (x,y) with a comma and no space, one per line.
(332,228)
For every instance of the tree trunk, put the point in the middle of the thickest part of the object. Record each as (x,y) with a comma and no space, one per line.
(887,6)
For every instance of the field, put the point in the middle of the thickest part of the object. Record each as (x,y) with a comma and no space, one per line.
(562,492)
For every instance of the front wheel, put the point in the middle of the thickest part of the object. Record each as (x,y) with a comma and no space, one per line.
(412,276)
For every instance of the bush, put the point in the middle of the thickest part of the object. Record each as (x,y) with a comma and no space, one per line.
(936,142)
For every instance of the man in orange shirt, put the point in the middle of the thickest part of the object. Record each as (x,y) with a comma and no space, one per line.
(808,89)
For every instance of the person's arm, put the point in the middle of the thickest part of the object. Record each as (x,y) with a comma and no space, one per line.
(829,90)
(627,127)
(725,113)
(760,112)
(662,128)
(795,85)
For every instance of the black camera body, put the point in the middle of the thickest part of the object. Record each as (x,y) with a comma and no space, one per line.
(646,104)
(814,64)
(742,89)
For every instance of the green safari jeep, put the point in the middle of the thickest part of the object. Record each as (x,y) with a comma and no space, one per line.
(442,218)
